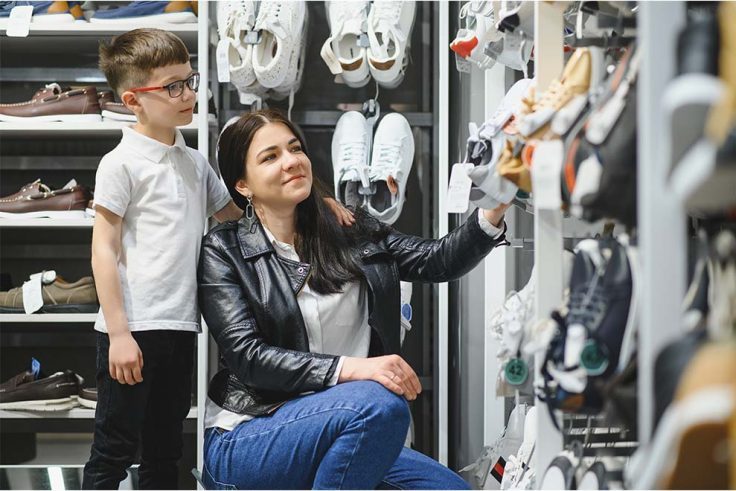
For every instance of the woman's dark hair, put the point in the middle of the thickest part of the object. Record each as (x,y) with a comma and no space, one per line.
(321,240)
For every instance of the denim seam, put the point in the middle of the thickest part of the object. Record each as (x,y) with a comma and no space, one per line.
(218,483)
(355,449)
(391,484)
(230,440)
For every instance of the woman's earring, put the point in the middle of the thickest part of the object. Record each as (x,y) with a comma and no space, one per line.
(249,211)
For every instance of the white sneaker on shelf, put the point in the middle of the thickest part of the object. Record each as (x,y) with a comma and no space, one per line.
(479,29)
(391,161)
(341,52)
(288,89)
(234,20)
(350,150)
(389,34)
(276,57)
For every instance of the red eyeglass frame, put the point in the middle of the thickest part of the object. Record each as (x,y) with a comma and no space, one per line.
(162,87)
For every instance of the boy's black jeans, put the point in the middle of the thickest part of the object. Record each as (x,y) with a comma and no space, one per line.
(150,413)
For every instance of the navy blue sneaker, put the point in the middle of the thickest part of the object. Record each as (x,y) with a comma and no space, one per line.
(176,12)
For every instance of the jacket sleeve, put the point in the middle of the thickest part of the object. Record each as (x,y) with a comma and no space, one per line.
(444,259)
(231,322)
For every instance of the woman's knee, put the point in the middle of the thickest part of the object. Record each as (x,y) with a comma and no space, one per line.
(377,400)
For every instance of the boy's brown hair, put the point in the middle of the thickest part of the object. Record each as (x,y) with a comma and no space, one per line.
(128,60)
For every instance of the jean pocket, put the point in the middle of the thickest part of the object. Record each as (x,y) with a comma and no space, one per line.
(212,483)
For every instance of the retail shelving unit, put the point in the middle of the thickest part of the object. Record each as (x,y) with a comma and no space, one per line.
(29,150)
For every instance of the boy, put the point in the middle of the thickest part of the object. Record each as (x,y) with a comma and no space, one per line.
(153,195)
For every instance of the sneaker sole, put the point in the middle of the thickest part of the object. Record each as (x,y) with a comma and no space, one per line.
(66,118)
(87,403)
(172,18)
(63,404)
(110,115)
(56,309)
(57,215)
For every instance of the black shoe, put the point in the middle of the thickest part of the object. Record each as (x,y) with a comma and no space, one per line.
(34,391)
(88,397)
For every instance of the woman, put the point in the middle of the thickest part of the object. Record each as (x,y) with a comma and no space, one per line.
(306,315)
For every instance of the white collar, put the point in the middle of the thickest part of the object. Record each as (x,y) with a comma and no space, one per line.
(148,147)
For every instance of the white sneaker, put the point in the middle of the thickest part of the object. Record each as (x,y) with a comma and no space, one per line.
(341,52)
(519,472)
(391,161)
(234,19)
(291,87)
(350,149)
(276,57)
(389,33)
(479,29)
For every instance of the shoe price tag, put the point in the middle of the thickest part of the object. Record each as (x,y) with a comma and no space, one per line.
(19,21)
(516,371)
(462,65)
(458,191)
(252,37)
(363,41)
(33,290)
(223,63)
(546,174)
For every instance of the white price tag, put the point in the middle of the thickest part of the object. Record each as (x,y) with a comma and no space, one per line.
(458,191)
(546,171)
(32,290)
(223,63)
(19,22)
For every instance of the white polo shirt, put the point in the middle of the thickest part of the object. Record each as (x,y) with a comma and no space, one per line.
(164,195)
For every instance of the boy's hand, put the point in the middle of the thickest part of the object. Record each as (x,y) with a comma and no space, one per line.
(344,216)
(126,359)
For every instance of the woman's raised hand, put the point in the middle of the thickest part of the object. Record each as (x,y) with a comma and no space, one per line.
(391,371)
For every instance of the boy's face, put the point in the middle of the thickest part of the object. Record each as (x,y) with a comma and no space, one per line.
(158,108)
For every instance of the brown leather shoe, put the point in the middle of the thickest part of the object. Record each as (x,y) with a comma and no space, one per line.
(36,200)
(59,297)
(54,104)
(33,390)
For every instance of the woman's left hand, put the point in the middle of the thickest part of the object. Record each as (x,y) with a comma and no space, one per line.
(344,216)
(495,216)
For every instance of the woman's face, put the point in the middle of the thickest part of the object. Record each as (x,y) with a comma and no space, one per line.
(279,174)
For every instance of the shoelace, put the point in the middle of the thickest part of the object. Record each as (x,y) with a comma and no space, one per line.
(384,17)
(387,162)
(353,154)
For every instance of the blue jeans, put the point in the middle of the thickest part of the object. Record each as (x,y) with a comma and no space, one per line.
(349,436)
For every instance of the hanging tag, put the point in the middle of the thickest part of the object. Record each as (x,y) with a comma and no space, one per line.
(33,290)
(252,37)
(223,63)
(19,22)
(546,171)
(363,40)
(462,65)
(516,371)
(458,191)
(594,358)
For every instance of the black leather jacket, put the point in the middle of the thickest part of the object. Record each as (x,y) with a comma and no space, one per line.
(247,294)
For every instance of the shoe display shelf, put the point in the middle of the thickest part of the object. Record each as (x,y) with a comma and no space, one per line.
(57,152)
(29,129)
(14,223)
(188,32)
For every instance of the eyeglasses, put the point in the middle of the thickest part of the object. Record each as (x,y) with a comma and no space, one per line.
(176,88)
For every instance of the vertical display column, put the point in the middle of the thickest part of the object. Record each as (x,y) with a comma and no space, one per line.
(548,47)
(660,216)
